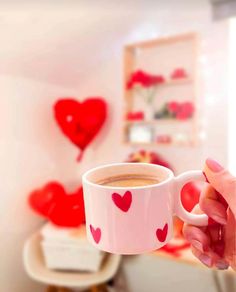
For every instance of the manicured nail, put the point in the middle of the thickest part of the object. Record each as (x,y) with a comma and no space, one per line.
(213,165)
(197,244)
(219,219)
(222,265)
(206,260)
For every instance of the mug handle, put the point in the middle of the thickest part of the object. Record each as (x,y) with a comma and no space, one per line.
(180,181)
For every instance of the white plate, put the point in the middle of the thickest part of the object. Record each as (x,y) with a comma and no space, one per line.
(36,269)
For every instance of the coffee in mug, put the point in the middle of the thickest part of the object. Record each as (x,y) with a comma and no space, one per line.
(129,180)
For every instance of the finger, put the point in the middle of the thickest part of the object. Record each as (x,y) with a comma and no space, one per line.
(205,238)
(196,237)
(214,233)
(204,258)
(230,240)
(217,237)
(210,259)
(222,181)
(211,206)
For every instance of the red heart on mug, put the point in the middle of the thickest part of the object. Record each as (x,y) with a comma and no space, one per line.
(68,210)
(162,233)
(96,233)
(122,202)
(80,121)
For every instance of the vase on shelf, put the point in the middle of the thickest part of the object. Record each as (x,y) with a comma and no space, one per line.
(149,112)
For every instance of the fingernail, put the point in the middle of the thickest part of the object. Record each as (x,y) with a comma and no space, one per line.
(213,165)
(219,219)
(206,260)
(197,244)
(222,265)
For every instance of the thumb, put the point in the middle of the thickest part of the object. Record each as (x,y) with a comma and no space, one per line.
(222,181)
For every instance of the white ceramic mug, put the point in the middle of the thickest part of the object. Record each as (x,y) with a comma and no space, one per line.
(134,220)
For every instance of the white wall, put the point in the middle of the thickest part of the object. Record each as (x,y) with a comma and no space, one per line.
(232,100)
(47,51)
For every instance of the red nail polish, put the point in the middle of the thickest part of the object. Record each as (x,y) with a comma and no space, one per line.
(206,260)
(213,165)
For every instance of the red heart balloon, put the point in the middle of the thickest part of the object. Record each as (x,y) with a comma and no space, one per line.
(69,210)
(62,209)
(42,200)
(80,121)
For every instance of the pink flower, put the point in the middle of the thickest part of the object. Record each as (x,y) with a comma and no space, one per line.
(179,73)
(133,116)
(157,79)
(144,79)
(181,116)
(186,111)
(173,107)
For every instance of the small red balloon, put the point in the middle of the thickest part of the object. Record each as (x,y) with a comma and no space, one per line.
(61,208)
(42,200)
(69,210)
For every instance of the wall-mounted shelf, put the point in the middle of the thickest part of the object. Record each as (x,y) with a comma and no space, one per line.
(158,121)
(175,144)
(161,57)
(180,81)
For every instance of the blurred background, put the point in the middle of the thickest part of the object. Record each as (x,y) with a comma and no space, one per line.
(164,73)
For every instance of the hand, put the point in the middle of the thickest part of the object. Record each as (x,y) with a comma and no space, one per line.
(215,245)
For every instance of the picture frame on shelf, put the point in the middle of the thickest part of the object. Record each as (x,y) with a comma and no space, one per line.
(139,133)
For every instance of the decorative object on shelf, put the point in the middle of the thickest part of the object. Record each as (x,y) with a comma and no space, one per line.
(80,122)
(69,249)
(148,157)
(149,113)
(173,108)
(53,203)
(180,54)
(181,139)
(143,79)
(135,116)
(144,84)
(163,113)
(184,110)
(163,139)
(141,133)
(176,110)
(179,73)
